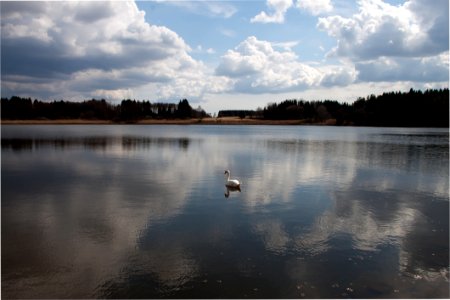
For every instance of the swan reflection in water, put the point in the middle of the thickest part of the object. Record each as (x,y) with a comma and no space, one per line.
(231,189)
(232,185)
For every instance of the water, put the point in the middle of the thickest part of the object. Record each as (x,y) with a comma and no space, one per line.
(142,212)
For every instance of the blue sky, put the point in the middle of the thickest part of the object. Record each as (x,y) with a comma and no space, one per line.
(221,32)
(200,25)
(222,54)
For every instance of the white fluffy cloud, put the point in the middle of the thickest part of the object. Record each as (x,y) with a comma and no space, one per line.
(54,45)
(256,67)
(405,69)
(65,30)
(408,42)
(77,50)
(278,9)
(315,7)
(379,43)
(380,29)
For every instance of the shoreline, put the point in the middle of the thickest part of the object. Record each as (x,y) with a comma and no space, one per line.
(205,121)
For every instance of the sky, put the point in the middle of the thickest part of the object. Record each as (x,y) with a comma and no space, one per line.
(222,54)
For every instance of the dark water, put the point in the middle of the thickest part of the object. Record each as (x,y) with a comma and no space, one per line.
(142,212)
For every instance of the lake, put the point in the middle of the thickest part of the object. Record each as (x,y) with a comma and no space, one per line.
(142,212)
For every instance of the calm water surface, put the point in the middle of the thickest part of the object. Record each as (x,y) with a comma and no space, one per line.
(142,212)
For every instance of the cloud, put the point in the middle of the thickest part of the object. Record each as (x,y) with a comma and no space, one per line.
(405,68)
(223,9)
(53,46)
(315,7)
(342,75)
(200,49)
(286,45)
(209,8)
(390,43)
(227,32)
(256,67)
(278,8)
(379,43)
(380,29)
(78,50)
(67,43)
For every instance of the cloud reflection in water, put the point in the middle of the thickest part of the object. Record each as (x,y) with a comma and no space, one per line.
(144,215)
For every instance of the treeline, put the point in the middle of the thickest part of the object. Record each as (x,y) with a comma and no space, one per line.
(412,109)
(237,113)
(17,108)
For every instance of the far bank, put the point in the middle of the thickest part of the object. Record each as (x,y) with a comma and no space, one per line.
(191,121)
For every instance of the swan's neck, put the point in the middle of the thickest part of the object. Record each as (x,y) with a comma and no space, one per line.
(228,178)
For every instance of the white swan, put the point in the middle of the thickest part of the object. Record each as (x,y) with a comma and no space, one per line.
(233,183)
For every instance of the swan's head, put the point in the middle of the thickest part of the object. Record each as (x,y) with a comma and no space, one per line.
(227,172)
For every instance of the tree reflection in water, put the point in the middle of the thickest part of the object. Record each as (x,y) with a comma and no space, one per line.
(126,212)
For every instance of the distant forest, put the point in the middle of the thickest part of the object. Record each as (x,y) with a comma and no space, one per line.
(17,108)
(411,109)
